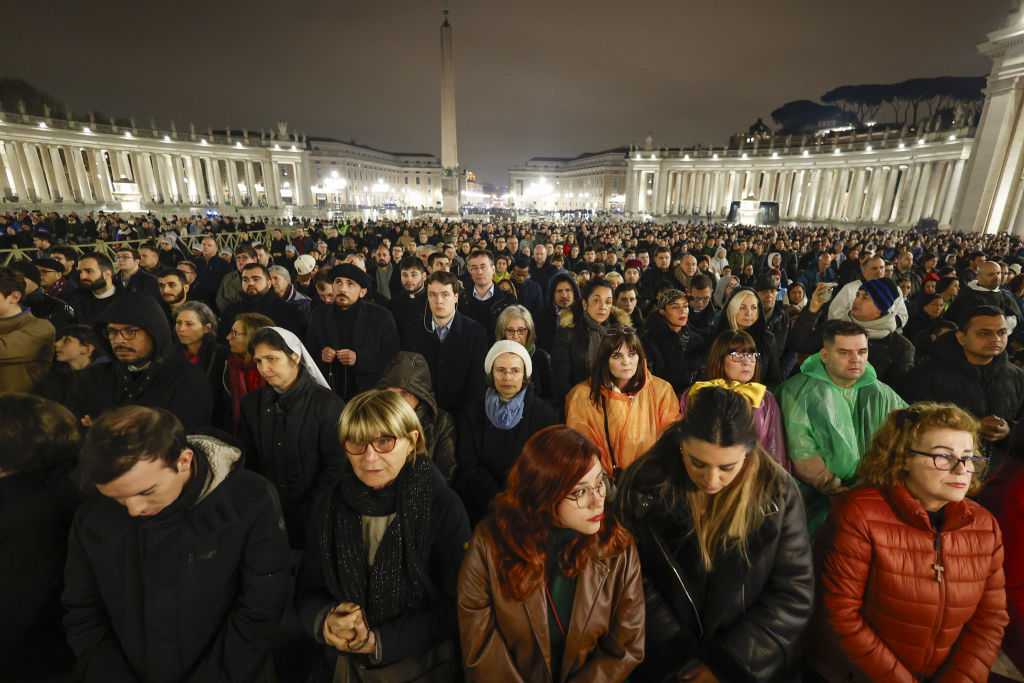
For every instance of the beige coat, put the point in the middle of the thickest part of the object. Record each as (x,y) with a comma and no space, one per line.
(26,351)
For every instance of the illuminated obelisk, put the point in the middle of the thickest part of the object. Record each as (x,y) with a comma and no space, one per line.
(451,175)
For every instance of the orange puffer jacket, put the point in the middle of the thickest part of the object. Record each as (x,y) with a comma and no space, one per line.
(906,603)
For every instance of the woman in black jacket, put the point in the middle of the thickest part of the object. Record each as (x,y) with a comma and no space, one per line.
(377,588)
(493,431)
(289,427)
(195,327)
(722,533)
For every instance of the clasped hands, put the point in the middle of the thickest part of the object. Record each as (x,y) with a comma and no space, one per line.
(343,356)
(345,629)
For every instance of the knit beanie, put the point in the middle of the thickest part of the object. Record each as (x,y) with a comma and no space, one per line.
(883,291)
(507,346)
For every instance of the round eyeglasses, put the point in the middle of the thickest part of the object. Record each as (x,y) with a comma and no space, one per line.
(581,494)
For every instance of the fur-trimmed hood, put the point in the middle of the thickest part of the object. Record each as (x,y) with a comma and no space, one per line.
(567,318)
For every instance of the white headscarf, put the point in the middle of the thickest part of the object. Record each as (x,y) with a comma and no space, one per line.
(296,346)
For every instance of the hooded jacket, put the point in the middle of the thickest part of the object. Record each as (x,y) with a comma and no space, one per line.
(26,351)
(767,344)
(547,322)
(623,426)
(193,593)
(891,618)
(409,371)
(575,345)
(825,420)
(169,381)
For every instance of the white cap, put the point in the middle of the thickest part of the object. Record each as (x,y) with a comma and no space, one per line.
(305,264)
(507,346)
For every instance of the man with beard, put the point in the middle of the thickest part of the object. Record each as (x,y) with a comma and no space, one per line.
(563,292)
(409,305)
(96,289)
(173,291)
(147,368)
(703,315)
(354,340)
(258,296)
(130,275)
(38,302)
(384,278)
(230,290)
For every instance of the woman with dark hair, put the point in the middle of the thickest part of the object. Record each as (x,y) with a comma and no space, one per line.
(492,431)
(377,588)
(912,581)
(288,426)
(728,577)
(580,329)
(623,408)
(195,327)
(550,589)
(734,363)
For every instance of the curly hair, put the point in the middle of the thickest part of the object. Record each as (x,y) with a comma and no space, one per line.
(886,461)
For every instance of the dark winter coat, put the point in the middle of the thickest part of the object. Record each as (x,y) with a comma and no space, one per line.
(546,322)
(89,309)
(194,593)
(292,440)
(36,509)
(140,283)
(574,344)
(971,296)
(408,311)
(374,338)
(983,390)
(208,277)
(169,381)
(743,621)
(457,363)
(269,304)
(42,305)
(409,371)
(676,357)
(212,361)
(485,312)
(486,453)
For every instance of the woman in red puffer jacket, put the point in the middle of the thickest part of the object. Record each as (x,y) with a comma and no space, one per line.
(912,576)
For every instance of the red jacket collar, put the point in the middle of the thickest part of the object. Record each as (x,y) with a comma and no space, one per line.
(909,509)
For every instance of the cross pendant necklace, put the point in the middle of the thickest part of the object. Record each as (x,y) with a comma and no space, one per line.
(938,569)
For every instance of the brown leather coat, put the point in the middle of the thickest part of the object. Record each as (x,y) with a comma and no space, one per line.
(893,619)
(508,641)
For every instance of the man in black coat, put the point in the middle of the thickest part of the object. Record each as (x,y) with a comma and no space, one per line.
(775,316)
(38,302)
(541,270)
(181,569)
(96,290)
(484,302)
(703,314)
(210,270)
(130,275)
(353,341)
(674,351)
(409,303)
(985,291)
(531,294)
(147,368)
(258,296)
(970,368)
(453,344)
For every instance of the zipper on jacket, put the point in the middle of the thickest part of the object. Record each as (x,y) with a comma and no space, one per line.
(682,584)
(939,571)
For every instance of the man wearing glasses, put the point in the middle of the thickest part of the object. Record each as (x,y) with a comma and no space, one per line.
(703,315)
(146,368)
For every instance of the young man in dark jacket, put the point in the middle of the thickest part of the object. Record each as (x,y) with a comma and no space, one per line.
(409,303)
(258,296)
(180,570)
(147,369)
(563,292)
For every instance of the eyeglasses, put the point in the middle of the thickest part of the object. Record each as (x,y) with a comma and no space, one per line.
(384,443)
(517,331)
(947,462)
(744,357)
(581,494)
(619,331)
(128,333)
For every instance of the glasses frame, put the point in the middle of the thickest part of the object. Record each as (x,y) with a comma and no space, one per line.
(978,462)
(601,490)
(744,356)
(382,440)
(126,333)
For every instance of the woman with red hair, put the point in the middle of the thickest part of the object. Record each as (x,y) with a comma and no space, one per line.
(550,588)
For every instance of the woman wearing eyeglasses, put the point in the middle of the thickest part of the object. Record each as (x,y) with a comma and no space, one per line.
(515,323)
(734,363)
(912,579)
(722,534)
(492,431)
(622,408)
(743,311)
(378,582)
(550,589)
(239,375)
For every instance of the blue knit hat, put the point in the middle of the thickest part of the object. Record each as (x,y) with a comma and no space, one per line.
(883,291)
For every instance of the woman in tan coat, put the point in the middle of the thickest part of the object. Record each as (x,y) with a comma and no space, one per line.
(550,590)
(622,408)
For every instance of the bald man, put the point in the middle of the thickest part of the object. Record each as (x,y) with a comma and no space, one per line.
(985,291)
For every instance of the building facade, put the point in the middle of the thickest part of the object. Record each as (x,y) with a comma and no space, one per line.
(593,181)
(53,163)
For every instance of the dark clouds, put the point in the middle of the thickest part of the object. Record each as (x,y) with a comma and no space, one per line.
(557,77)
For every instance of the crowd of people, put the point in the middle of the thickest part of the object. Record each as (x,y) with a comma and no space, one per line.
(423,450)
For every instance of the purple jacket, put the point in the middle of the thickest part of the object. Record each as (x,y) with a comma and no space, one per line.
(768,421)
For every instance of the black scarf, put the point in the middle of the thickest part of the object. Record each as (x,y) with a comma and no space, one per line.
(396,581)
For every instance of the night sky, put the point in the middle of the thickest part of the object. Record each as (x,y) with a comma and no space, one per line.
(552,77)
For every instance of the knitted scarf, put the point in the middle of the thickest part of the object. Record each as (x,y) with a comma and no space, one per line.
(395,582)
(504,414)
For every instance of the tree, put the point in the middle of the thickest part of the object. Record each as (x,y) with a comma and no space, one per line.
(805,116)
